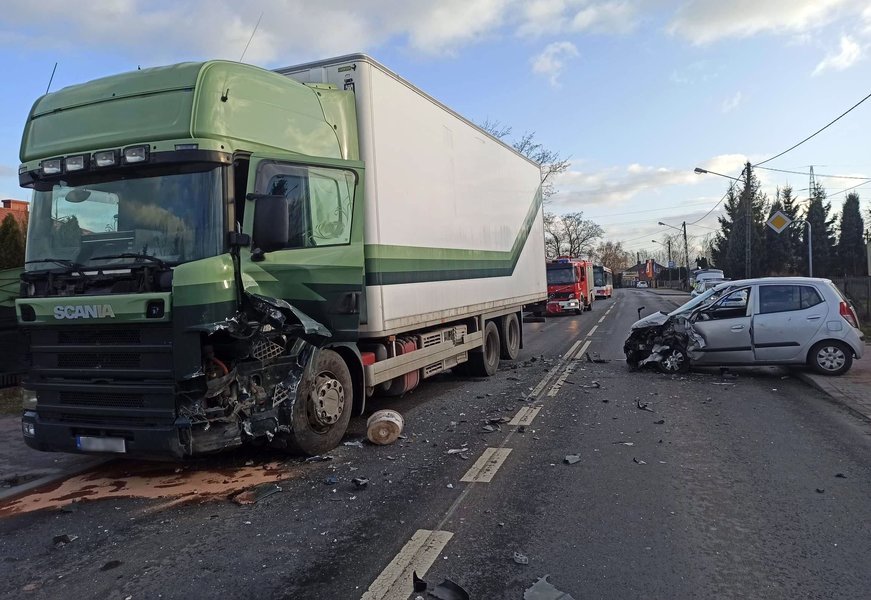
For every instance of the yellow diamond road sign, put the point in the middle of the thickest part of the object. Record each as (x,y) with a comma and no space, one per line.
(778,221)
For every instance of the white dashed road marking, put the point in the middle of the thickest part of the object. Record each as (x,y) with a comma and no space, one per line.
(593,330)
(417,555)
(525,415)
(486,466)
(553,391)
(572,349)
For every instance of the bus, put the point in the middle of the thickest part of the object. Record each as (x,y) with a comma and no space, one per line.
(603,282)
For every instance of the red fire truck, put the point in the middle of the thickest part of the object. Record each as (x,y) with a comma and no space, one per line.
(569,285)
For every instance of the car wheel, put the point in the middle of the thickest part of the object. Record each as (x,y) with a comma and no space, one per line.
(675,360)
(831,358)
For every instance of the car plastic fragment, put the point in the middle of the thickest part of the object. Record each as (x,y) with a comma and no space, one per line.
(571,459)
(544,590)
(448,590)
(520,558)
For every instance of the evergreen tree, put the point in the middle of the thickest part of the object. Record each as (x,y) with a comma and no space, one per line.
(793,232)
(729,248)
(778,255)
(851,245)
(822,234)
(11,244)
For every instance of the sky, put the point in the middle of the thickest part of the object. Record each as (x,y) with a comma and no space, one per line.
(635,93)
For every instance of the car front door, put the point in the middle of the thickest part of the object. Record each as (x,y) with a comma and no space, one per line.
(786,321)
(726,329)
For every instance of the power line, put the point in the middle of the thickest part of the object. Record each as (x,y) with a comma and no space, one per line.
(815,174)
(714,207)
(829,124)
(648,210)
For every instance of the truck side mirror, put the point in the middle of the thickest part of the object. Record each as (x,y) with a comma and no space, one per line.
(270,222)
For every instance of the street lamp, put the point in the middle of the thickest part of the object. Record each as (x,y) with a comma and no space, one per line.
(686,249)
(701,171)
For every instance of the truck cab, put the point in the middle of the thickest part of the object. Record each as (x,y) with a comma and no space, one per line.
(569,285)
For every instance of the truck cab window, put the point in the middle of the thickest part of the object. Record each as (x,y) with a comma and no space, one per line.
(319,203)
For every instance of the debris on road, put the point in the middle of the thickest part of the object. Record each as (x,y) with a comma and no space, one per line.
(71,507)
(638,462)
(384,427)
(521,559)
(418,583)
(355,444)
(112,564)
(544,590)
(660,422)
(62,540)
(255,494)
(490,428)
(448,590)
(595,358)
(821,491)
(360,482)
(319,458)
(643,405)
(331,480)
(840,476)
(622,443)
(593,385)
(571,459)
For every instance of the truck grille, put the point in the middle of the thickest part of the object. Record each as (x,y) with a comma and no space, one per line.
(103,375)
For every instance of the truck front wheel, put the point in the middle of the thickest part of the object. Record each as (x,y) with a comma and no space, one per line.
(486,362)
(320,414)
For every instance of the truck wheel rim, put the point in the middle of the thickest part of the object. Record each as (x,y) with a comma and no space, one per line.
(326,402)
(831,358)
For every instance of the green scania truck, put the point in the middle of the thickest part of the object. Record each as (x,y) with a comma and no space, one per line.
(218,254)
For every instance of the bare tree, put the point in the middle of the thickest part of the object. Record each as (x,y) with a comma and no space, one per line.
(552,163)
(569,235)
(612,255)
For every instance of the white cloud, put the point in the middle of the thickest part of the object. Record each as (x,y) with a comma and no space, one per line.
(551,60)
(560,17)
(730,104)
(849,53)
(706,21)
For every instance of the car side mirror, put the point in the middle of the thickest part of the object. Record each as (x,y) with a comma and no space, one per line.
(270,221)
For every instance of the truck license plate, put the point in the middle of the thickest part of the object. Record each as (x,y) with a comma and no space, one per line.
(101,444)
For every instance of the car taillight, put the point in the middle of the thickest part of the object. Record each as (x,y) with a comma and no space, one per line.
(847,312)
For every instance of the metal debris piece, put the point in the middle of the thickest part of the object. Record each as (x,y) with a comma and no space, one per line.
(319,458)
(360,483)
(643,405)
(355,444)
(490,428)
(571,459)
(622,443)
(418,583)
(544,590)
(112,564)
(62,540)
(457,450)
(638,462)
(448,590)
(255,494)
(521,559)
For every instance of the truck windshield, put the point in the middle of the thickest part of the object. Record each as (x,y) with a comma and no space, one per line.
(172,216)
(561,275)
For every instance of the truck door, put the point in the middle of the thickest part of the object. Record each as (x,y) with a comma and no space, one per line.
(318,265)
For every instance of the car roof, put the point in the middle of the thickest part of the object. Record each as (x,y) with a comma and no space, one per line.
(776,280)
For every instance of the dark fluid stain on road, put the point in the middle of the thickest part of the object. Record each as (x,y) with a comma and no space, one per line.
(216,478)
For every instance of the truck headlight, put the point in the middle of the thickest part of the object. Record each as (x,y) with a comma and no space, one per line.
(51,166)
(135,154)
(75,163)
(106,158)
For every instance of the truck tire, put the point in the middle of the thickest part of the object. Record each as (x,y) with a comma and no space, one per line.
(319,417)
(509,338)
(486,362)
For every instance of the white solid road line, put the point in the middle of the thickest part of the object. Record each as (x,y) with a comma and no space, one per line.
(541,384)
(593,330)
(525,415)
(486,466)
(418,554)
(583,349)
(553,391)
(572,349)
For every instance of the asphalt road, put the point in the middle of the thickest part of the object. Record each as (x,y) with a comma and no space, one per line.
(688,486)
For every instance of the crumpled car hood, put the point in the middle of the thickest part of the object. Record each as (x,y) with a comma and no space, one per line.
(654,320)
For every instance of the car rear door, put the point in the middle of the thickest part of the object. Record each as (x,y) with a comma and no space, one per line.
(786,321)
(725,327)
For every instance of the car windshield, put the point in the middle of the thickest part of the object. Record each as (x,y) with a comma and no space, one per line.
(172,216)
(701,300)
(560,275)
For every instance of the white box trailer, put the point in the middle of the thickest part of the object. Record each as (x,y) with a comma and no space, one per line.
(453,215)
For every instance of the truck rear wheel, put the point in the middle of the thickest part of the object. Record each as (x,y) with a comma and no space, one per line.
(509,340)
(486,362)
(319,417)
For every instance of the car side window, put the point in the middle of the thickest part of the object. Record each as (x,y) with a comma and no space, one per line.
(810,297)
(730,306)
(779,298)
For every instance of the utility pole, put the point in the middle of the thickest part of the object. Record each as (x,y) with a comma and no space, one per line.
(669,261)
(748,207)
(687,252)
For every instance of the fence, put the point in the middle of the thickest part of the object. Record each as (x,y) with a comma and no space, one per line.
(858,291)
